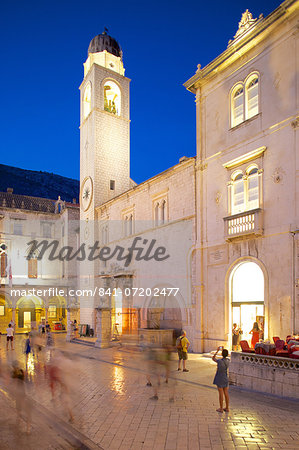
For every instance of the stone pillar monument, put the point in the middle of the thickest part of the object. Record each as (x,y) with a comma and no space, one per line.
(103,327)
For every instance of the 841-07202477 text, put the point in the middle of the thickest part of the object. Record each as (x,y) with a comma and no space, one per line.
(140,292)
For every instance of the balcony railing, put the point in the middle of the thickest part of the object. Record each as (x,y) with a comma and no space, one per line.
(244,224)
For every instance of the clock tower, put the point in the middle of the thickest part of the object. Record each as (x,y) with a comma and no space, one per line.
(104,145)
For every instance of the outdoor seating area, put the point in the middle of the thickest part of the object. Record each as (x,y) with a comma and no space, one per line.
(287,349)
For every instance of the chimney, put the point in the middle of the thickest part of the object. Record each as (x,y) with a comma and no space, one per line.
(10,190)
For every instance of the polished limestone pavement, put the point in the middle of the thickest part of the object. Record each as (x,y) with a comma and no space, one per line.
(112,406)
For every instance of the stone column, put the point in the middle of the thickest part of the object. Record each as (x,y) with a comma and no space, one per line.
(103,327)
(14,317)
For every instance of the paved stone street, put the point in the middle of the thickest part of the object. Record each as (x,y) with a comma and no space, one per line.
(113,410)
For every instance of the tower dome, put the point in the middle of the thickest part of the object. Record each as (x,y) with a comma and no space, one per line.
(103,42)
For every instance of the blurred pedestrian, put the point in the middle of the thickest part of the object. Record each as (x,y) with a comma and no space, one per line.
(27,348)
(49,339)
(23,406)
(9,337)
(221,378)
(75,329)
(182,345)
(59,382)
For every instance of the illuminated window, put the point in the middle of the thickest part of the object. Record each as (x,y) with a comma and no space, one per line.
(252,188)
(238,200)
(244,190)
(252,107)
(52,311)
(237,106)
(112,98)
(244,100)
(2,310)
(86,100)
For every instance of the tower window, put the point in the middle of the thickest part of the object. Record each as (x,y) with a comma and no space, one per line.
(112,98)
(112,185)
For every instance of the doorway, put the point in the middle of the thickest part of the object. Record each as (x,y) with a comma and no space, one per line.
(247,298)
(27,319)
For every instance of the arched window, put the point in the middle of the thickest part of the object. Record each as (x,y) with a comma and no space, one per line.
(163,211)
(252,106)
(244,190)
(252,188)
(130,227)
(238,200)
(156,214)
(112,98)
(237,105)
(87,101)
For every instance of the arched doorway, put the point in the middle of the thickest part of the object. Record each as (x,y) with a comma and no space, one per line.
(57,313)
(247,291)
(164,312)
(5,312)
(29,312)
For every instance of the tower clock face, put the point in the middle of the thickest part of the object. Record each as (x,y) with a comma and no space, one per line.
(86,193)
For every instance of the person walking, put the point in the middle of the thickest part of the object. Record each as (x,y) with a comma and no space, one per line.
(9,337)
(27,348)
(221,379)
(182,345)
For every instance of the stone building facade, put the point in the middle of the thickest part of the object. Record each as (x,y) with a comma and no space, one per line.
(30,286)
(238,199)
(247,250)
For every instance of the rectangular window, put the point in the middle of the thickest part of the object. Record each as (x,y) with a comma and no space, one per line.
(32,268)
(46,230)
(238,107)
(252,99)
(253,192)
(238,197)
(3,260)
(2,310)
(52,312)
(112,185)
(18,227)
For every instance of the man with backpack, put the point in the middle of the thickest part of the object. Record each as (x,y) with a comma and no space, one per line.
(182,345)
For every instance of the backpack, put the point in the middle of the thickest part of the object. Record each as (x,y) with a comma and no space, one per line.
(178,343)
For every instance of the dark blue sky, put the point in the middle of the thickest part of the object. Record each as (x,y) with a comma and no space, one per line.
(43,47)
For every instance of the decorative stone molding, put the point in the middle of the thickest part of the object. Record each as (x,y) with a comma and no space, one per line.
(278,175)
(202,166)
(218,197)
(246,22)
(270,361)
(295,123)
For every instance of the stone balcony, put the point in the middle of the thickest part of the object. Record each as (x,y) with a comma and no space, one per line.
(244,224)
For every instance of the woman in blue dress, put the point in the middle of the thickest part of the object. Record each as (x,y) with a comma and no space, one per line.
(27,348)
(221,378)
